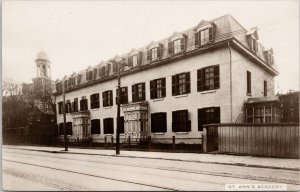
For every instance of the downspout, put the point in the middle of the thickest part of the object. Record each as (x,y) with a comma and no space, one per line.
(230,64)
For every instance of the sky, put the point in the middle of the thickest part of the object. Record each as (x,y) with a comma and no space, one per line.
(77,34)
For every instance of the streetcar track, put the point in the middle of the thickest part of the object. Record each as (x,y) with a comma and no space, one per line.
(222,174)
(92,175)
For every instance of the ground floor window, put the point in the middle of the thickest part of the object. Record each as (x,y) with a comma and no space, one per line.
(262,114)
(95,126)
(208,115)
(158,122)
(108,125)
(180,121)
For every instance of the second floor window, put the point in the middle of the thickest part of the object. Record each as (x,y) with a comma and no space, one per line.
(181,84)
(180,121)
(108,125)
(95,101)
(138,92)
(208,78)
(158,88)
(83,104)
(107,98)
(123,95)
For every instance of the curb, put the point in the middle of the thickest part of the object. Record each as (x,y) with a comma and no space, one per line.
(169,159)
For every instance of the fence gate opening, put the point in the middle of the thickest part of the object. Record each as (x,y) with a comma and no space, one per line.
(135,122)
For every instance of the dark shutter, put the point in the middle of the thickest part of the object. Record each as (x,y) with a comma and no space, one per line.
(196,38)
(182,43)
(143,92)
(95,74)
(174,84)
(188,84)
(92,101)
(121,128)
(152,89)
(201,119)
(153,123)
(170,47)
(174,121)
(159,51)
(217,115)
(163,82)
(163,122)
(216,77)
(111,98)
(149,55)
(130,63)
(133,93)
(140,58)
(210,34)
(104,99)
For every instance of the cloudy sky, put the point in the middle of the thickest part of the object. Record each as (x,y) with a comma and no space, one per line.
(76,34)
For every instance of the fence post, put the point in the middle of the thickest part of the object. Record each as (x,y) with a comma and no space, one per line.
(104,141)
(204,140)
(173,142)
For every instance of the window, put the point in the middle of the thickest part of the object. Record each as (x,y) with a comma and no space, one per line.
(123,95)
(177,46)
(83,104)
(107,98)
(75,105)
(154,53)
(108,125)
(65,84)
(208,78)
(138,92)
(58,87)
(68,106)
(95,126)
(69,128)
(102,71)
(79,78)
(158,122)
(208,115)
(71,82)
(158,88)
(89,75)
(95,101)
(259,115)
(249,115)
(180,122)
(269,57)
(121,129)
(61,129)
(181,83)
(135,60)
(265,88)
(268,114)
(248,82)
(60,107)
(204,36)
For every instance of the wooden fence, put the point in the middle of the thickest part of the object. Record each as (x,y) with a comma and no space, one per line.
(271,140)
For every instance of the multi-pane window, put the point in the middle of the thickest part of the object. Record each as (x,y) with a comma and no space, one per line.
(95,126)
(181,83)
(180,121)
(75,105)
(265,88)
(135,60)
(259,115)
(158,122)
(248,82)
(107,98)
(123,95)
(68,106)
(158,88)
(89,75)
(138,92)
(108,124)
(154,53)
(208,78)
(60,107)
(95,101)
(83,104)
(268,114)
(249,115)
(204,36)
(177,46)
(207,116)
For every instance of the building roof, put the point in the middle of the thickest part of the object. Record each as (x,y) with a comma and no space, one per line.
(42,56)
(262,99)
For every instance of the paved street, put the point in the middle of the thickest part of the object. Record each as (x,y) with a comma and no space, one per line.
(35,170)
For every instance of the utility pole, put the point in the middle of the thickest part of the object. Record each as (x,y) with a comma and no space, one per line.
(64,114)
(118,112)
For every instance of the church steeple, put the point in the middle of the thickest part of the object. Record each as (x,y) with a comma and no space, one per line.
(43,65)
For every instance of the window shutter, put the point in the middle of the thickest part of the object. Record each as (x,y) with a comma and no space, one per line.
(95,74)
(201,119)
(104,99)
(163,82)
(159,51)
(153,123)
(130,63)
(188,126)
(143,92)
(188,84)
(170,47)
(216,77)
(111,98)
(133,93)
(140,58)
(92,101)
(174,122)
(196,38)
(107,69)
(152,84)
(182,43)
(174,85)
(217,115)
(210,34)
(149,55)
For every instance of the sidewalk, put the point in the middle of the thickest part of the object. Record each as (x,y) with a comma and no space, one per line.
(249,161)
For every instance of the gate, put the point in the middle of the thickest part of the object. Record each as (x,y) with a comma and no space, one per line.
(210,139)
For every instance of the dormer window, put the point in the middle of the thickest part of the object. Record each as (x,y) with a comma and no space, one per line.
(154,53)
(269,56)
(58,86)
(177,45)
(89,75)
(204,34)
(135,59)
(252,37)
